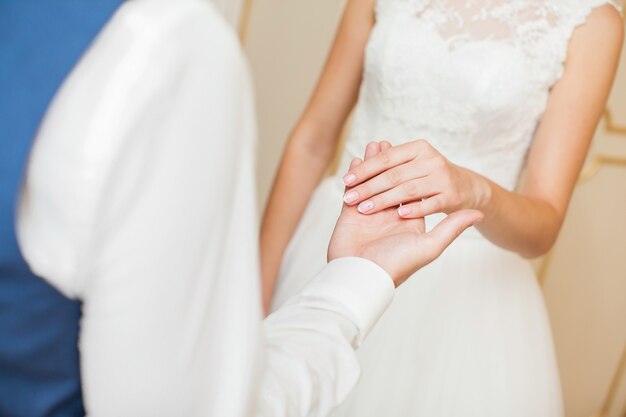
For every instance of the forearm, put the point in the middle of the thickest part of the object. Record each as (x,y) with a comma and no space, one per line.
(300,171)
(313,142)
(517,222)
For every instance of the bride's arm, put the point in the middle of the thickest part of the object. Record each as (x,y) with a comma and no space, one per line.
(527,222)
(312,143)
(533,218)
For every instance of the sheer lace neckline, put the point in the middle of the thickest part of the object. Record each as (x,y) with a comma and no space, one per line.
(461,21)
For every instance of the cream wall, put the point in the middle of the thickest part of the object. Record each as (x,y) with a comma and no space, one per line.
(286,42)
(585,278)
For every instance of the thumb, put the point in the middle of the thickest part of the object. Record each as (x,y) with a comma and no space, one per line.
(449,229)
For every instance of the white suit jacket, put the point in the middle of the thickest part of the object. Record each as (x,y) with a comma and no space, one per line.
(139,200)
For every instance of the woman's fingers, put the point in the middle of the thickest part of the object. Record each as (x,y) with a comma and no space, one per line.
(419,209)
(394,178)
(372,149)
(355,163)
(383,161)
(411,190)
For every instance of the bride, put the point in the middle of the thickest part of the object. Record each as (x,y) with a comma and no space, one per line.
(491,87)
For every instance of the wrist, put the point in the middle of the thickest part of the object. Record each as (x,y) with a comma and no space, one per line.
(481,191)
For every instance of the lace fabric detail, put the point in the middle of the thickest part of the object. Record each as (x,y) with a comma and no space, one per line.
(522,22)
(471,76)
(574,15)
(539,28)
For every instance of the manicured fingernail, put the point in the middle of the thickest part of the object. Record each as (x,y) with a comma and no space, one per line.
(350,197)
(404,211)
(349,179)
(366,206)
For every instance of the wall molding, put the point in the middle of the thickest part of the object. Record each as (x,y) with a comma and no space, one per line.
(591,170)
(611,124)
(618,376)
(597,163)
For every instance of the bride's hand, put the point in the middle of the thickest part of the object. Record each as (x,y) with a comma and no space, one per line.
(398,245)
(415,175)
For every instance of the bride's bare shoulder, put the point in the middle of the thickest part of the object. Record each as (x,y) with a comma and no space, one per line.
(606,22)
(601,36)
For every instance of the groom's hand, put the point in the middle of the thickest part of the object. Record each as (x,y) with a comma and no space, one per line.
(400,246)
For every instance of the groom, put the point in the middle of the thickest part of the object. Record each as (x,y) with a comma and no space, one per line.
(138,200)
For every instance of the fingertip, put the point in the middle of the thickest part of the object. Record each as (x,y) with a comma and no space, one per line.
(464,219)
(366,207)
(479,216)
(355,163)
(350,177)
(384,145)
(473,216)
(372,149)
(455,224)
(404,211)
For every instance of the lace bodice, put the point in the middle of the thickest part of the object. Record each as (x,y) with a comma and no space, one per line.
(470,76)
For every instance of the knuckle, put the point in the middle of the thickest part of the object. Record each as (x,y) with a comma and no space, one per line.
(439,162)
(457,203)
(393,177)
(446,200)
(425,146)
(380,201)
(436,204)
(447,176)
(363,191)
(384,157)
(448,203)
(410,189)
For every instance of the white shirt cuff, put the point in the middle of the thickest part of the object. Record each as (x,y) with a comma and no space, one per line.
(363,289)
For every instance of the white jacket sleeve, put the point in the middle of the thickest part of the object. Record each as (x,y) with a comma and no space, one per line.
(310,341)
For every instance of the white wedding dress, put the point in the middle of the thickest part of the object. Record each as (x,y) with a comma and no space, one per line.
(467,336)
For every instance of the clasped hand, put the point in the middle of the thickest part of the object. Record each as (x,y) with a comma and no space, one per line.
(415,177)
(399,245)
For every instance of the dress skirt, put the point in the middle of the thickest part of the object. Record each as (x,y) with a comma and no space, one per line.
(466,336)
